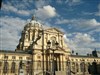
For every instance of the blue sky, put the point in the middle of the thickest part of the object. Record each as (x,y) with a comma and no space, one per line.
(78,19)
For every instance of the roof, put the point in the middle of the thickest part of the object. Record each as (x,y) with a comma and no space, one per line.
(83,56)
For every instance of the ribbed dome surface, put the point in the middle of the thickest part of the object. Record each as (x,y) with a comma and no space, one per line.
(33,24)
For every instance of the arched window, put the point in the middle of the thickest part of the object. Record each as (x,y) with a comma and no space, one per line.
(81,67)
(77,67)
(6,67)
(73,66)
(13,67)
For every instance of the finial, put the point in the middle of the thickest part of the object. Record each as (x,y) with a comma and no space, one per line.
(33,17)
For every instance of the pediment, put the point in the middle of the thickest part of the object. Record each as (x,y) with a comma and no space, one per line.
(60,50)
(54,30)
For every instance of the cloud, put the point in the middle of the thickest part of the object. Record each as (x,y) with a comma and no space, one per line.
(98,13)
(87,13)
(82,43)
(11,28)
(83,37)
(73,2)
(93,13)
(10,8)
(90,22)
(6,7)
(46,12)
(60,1)
(24,12)
(62,21)
(69,2)
(87,22)
(41,3)
(80,24)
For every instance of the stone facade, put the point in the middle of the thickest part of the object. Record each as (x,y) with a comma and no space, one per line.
(32,55)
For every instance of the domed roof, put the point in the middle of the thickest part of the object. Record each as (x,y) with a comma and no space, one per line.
(33,24)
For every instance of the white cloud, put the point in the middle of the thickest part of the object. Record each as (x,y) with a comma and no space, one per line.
(46,12)
(73,2)
(83,37)
(9,8)
(82,43)
(62,21)
(10,29)
(87,13)
(69,2)
(83,24)
(76,0)
(41,3)
(80,22)
(90,22)
(98,13)
(59,1)
(24,12)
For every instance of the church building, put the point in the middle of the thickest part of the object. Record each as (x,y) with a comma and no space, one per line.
(42,51)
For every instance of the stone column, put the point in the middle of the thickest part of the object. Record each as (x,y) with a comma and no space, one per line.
(62,63)
(50,62)
(86,67)
(59,62)
(9,67)
(79,68)
(17,67)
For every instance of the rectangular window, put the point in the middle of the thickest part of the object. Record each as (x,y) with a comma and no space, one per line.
(27,58)
(20,58)
(5,57)
(13,57)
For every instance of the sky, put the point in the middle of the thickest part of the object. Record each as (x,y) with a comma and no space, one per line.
(78,19)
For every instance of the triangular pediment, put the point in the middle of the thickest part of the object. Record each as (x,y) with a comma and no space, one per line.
(60,50)
(54,30)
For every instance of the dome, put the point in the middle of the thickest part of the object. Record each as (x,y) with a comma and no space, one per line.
(34,22)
